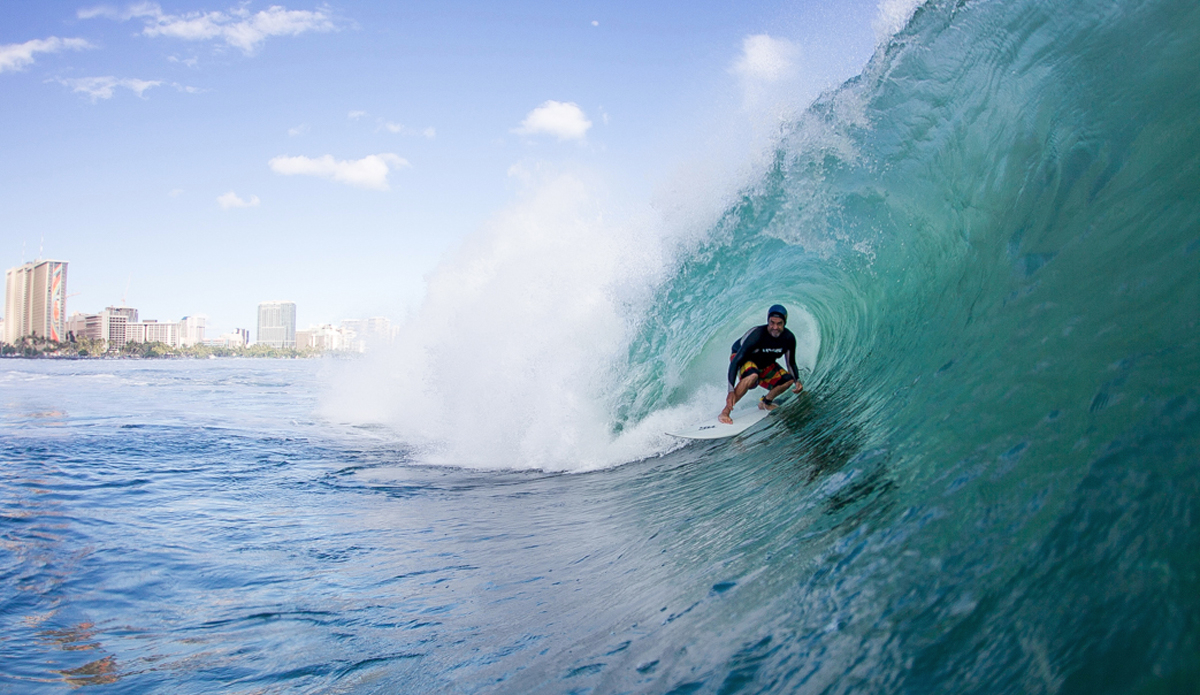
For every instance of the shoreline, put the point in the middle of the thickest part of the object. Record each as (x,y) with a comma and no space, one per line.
(90,350)
(165,357)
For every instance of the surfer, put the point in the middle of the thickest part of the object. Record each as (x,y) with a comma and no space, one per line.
(753,363)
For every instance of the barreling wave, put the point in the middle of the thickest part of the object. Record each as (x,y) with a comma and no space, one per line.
(990,485)
(996,232)
(1005,191)
(997,211)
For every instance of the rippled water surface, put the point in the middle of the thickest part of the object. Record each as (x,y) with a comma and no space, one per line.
(185,527)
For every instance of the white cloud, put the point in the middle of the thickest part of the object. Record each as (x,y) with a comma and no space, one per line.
(355,115)
(238,27)
(15,56)
(401,129)
(564,120)
(176,192)
(106,11)
(231,200)
(102,87)
(369,172)
(298,130)
(765,59)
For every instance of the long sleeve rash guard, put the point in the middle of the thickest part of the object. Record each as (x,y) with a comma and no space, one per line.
(759,347)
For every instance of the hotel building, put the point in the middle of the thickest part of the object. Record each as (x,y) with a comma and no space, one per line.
(35,301)
(277,324)
(90,326)
(191,330)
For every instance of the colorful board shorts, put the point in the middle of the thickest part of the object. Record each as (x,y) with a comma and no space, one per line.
(769,377)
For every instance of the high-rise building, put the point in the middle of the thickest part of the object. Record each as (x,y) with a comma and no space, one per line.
(136,333)
(113,324)
(35,301)
(277,324)
(130,314)
(191,330)
(155,332)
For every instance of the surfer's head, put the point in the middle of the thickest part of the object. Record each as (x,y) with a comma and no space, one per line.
(776,320)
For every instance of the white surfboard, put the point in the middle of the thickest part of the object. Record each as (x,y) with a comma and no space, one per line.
(744,417)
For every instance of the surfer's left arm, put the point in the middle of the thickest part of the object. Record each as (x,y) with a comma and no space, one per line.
(791,364)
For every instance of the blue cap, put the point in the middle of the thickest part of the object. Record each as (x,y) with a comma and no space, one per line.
(777,309)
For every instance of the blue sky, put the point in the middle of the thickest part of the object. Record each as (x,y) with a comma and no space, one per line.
(200,157)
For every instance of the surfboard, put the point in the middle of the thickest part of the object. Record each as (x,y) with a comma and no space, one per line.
(744,417)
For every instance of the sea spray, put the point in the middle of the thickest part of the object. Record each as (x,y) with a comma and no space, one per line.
(507,362)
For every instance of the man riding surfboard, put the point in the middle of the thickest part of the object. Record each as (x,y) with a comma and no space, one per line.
(753,363)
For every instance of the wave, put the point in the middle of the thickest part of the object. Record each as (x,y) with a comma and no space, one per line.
(993,224)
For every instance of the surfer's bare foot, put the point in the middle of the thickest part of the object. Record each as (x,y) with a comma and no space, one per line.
(765,405)
(724,417)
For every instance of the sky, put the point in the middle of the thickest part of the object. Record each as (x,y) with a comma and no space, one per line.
(200,157)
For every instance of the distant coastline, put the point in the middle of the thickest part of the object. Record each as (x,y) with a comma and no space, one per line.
(39,348)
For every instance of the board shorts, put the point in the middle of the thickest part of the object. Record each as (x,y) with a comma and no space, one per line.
(768,377)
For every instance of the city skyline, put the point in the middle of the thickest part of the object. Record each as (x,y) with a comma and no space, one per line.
(189,154)
(35,296)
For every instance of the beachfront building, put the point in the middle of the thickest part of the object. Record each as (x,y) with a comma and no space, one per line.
(277,324)
(237,338)
(35,301)
(88,326)
(156,332)
(115,322)
(191,330)
(151,331)
(130,314)
(372,332)
(113,328)
(119,326)
(326,338)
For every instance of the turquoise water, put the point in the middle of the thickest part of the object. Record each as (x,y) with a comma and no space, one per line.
(992,484)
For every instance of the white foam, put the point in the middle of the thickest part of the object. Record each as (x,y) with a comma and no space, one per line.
(511,362)
(892,16)
(508,364)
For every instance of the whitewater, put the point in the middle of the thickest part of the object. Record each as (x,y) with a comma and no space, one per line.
(989,242)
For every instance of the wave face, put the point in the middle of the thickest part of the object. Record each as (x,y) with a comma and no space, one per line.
(1005,195)
(992,484)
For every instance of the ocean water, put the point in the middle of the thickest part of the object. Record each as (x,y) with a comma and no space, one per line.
(990,243)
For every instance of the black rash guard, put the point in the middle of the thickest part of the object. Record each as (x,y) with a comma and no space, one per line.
(759,347)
